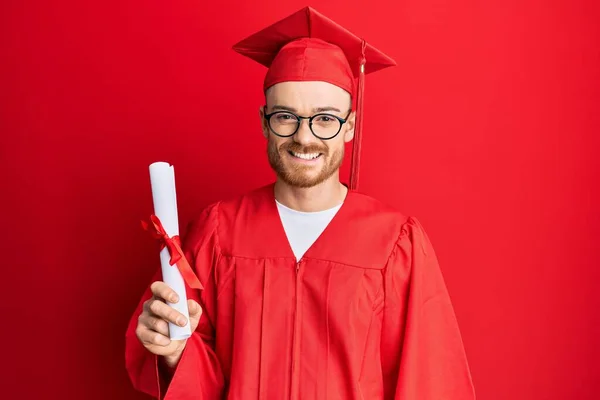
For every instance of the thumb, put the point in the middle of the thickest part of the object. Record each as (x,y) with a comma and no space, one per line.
(195,312)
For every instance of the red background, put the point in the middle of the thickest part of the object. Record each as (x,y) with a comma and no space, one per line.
(487,131)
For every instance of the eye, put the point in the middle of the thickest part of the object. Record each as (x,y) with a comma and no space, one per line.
(284,117)
(324,119)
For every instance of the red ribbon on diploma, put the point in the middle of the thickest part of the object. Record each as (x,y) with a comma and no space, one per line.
(157,231)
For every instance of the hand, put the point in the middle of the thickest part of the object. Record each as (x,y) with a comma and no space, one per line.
(153,329)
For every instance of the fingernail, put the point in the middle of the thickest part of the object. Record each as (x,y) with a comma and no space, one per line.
(181,321)
(174,298)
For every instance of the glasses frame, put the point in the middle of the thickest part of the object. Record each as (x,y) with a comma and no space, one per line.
(310,121)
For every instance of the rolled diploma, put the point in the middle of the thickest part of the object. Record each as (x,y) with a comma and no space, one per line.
(162,180)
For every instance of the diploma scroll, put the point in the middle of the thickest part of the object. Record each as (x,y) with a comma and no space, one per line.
(162,179)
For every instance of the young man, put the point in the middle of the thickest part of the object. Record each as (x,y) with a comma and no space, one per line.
(311,290)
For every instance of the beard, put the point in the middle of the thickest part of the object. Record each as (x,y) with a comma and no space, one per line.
(299,175)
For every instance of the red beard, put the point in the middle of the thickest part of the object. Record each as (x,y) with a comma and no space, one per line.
(297,175)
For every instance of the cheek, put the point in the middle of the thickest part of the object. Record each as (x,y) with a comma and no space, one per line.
(275,141)
(335,145)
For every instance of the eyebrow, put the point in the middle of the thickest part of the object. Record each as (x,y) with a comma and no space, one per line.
(316,109)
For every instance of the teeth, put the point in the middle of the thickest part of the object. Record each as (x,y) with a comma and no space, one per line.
(309,156)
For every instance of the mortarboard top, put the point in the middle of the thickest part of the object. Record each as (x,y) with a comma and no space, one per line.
(307,46)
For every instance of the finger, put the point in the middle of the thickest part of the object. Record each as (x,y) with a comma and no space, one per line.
(156,324)
(150,337)
(163,291)
(168,313)
(194,308)
(195,311)
(147,303)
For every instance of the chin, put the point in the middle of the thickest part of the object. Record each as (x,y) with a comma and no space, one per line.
(300,184)
(303,180)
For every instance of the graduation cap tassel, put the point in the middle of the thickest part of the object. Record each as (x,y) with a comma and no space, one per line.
(355,166)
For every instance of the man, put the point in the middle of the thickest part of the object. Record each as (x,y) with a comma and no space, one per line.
(311,290)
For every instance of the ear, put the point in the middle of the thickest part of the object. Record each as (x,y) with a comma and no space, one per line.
(350,124)
(263,122)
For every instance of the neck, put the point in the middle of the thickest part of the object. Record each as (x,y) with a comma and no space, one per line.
(324,196)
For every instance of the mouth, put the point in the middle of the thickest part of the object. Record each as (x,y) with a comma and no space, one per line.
(305,157)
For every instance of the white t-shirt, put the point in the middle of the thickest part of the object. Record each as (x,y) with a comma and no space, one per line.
(303,228)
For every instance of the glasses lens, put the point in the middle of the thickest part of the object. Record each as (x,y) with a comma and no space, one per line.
(283,123)
(325,126)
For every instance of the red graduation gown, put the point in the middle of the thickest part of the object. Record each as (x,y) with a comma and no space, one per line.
(365,314)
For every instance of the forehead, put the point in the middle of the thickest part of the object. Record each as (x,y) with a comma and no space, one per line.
(307,95)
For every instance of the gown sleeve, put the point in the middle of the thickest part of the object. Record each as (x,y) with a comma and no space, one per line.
(198,375)
(423,356)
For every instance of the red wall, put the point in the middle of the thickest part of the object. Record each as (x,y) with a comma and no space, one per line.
(488,131)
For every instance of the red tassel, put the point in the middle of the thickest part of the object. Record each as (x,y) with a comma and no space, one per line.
(355,166)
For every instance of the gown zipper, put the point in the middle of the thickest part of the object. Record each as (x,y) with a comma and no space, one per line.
(295,390)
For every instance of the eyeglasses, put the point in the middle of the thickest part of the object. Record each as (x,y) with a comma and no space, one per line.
(324,126)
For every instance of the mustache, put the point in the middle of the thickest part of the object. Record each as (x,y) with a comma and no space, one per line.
(298,148)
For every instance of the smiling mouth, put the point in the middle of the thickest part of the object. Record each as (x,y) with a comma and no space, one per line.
(305,156)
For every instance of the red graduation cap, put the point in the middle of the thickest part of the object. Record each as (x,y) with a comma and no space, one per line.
(307,46)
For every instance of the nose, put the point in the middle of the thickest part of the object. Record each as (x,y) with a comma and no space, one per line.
(303,135)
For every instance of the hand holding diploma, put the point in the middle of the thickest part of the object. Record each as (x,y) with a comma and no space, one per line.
(153,329)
